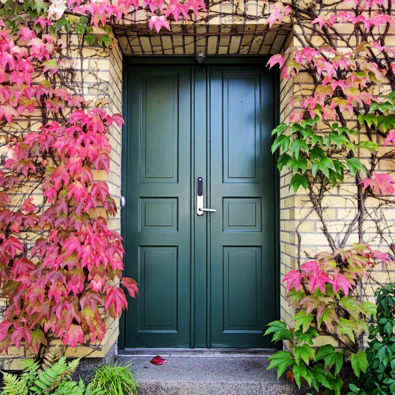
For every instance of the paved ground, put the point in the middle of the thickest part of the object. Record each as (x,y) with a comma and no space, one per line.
(206,374)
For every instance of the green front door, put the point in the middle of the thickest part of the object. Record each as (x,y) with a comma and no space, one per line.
(209,280)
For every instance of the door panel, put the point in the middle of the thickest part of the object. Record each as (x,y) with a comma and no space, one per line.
(242,190)
(205,281)
(158,207)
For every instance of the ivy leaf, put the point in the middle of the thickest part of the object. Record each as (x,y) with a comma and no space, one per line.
(300,371)
(37,338)
(303,320)
(106,40)
(303,352)
(369,308)
(352,305)
(371,118)
(354,165)
(297,180)
(282,161)
(297,146)
(282,141)
(280,361)
(89,39)
(279,130)
(73,336)
(279,330)
(337,385)
(320,377)
(359,362)
(41,7)
(298,164)
(330,357)
(336,138)
(316,139)
(387,121)
(306,336)
(369,145)
(295,297)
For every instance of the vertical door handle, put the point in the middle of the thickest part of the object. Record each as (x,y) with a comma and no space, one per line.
(199,199)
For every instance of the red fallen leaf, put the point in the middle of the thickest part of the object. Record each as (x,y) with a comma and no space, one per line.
(158,360)
(290,377)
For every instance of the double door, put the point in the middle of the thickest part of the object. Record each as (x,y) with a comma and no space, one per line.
(205,280)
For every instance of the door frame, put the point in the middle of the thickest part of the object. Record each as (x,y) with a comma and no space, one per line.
(190,60)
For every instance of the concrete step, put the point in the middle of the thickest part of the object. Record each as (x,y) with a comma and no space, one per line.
(192,372)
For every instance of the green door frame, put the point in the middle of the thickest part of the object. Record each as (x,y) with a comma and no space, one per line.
(184,60)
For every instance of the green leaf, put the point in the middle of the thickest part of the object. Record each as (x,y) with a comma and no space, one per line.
(369,145)
(282,141)
(337,385)
(320,377)
(279,330)
(387,121)
(300,371)
(41,7)
(316,139)
(371,118)
(89,39)
(354,165)
(106,40)
(297,180)
(306,336)
(303,352)
(297,146)
(330,357)
(352,305)
(369,308)
(359,362)
(280,361)
(336,138)
(303,320)
(298,164)
(282,161)
(279,130)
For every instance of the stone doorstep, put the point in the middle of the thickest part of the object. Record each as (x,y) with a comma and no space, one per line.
(208,372)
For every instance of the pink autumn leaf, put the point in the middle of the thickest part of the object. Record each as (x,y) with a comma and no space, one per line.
(390,138)
(276,59)
(73,336)
(293,278)
(310,266)
(158,360)
(382,256)
(158,22)
(318,280)
(341,281)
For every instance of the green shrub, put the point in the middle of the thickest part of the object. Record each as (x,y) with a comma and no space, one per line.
(114,379)
(379,378)
(53,379)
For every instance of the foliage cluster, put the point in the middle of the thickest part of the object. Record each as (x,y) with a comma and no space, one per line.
(324,293)
(54,378)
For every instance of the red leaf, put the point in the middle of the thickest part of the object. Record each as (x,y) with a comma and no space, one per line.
(90,299)
(22,266)
(318,280)
(72,244)
(40,246)
(100,188)
(116,298)
(73,336)
(294,277)
(4,326)
(158,360)
(340,280)
(59,175)
(11,245)
(131,286)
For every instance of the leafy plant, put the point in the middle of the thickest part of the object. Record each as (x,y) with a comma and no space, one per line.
(324,293)
(379,377)
(114,379)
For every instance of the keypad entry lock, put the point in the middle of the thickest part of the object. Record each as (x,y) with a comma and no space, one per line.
(199,199)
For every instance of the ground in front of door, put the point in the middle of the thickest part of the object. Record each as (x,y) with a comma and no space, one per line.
(209,373)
